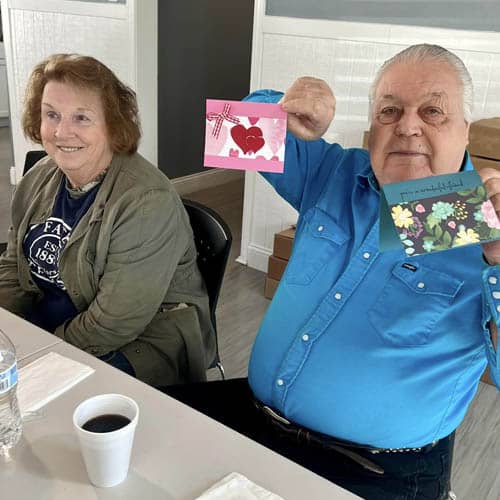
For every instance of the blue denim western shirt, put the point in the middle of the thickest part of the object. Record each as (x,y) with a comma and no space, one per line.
(356,343)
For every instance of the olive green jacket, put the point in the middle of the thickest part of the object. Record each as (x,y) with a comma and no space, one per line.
(127,263)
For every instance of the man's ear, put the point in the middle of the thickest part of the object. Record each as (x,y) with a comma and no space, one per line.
(467,129)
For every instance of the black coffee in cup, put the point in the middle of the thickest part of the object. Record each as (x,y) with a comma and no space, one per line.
(106,423)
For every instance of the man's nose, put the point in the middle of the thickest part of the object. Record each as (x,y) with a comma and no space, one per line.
(410,124)
(64,128)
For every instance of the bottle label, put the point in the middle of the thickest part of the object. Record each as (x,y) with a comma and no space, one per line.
(8,378)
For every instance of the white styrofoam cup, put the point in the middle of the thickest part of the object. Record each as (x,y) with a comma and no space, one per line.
(107,454)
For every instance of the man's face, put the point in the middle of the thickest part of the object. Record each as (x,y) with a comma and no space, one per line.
(418,127)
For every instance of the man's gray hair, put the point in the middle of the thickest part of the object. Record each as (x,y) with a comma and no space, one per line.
(427,52)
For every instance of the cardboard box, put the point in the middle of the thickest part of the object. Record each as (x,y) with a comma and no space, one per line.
(276,267)
(484,162)
(366,134)
(270,288)
(484,138)
(486,377)
(283,243)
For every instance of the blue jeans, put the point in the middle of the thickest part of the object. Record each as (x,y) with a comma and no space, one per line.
(118,360)
(407,476)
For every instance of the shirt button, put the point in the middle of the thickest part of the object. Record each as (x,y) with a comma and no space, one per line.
(305,337)
(338,296)
(280,382)
(492,280)
(320,228)
(421,284)
(496,295)
(366,255)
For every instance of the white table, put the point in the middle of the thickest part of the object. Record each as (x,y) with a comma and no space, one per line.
(178,453)
(27,338)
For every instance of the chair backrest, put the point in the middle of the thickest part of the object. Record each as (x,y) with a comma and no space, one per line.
(213,239)
(32,157)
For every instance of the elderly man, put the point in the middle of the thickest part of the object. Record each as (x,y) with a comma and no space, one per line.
(366,362)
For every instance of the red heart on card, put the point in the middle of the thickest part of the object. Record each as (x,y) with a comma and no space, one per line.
(253,119)
(248,140)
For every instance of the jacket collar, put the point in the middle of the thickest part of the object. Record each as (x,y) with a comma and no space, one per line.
(96,211)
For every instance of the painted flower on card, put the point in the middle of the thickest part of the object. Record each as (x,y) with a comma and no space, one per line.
(428,245)
(420,208)
(415,230)
(442,210)
(452,224)
(478,216)
(460,210)
(489,215)
(402,216)
(466,236)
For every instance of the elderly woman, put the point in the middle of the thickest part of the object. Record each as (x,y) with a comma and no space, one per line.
(100,251)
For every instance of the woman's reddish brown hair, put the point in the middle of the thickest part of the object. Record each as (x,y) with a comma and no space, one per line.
(84,72)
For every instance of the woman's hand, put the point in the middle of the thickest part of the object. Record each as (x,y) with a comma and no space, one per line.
(310,105)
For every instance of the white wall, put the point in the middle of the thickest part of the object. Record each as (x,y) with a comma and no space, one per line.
(346,55)
(4,98)
(122,36)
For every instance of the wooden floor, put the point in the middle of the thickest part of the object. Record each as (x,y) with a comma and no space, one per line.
(476,471)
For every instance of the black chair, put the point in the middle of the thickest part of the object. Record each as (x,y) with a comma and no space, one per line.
(31,158)
(213,239)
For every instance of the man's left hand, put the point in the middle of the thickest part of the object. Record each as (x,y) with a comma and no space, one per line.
(491,181)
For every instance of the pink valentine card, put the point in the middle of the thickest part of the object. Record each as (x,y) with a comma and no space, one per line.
(245,136)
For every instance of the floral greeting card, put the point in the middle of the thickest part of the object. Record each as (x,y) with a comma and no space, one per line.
(436,213)
(245,136)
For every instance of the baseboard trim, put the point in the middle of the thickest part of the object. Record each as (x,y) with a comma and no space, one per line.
(203,180)
(258,257)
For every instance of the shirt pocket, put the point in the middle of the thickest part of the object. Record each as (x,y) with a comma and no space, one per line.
(315,246)
(413,300)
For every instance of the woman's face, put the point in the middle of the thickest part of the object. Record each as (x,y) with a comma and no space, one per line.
(73,131)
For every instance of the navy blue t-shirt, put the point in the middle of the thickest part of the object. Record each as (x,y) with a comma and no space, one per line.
(42,246)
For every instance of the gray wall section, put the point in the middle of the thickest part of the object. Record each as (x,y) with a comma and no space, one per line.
(478,15)
(204,51)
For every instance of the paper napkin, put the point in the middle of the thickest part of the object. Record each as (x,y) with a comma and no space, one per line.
(235,486)
(46,378)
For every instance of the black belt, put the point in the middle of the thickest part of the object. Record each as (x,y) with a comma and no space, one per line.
(347,448)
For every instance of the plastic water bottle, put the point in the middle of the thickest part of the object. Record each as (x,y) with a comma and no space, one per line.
(10,417)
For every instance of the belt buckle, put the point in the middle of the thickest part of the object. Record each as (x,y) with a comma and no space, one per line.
(275,415)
